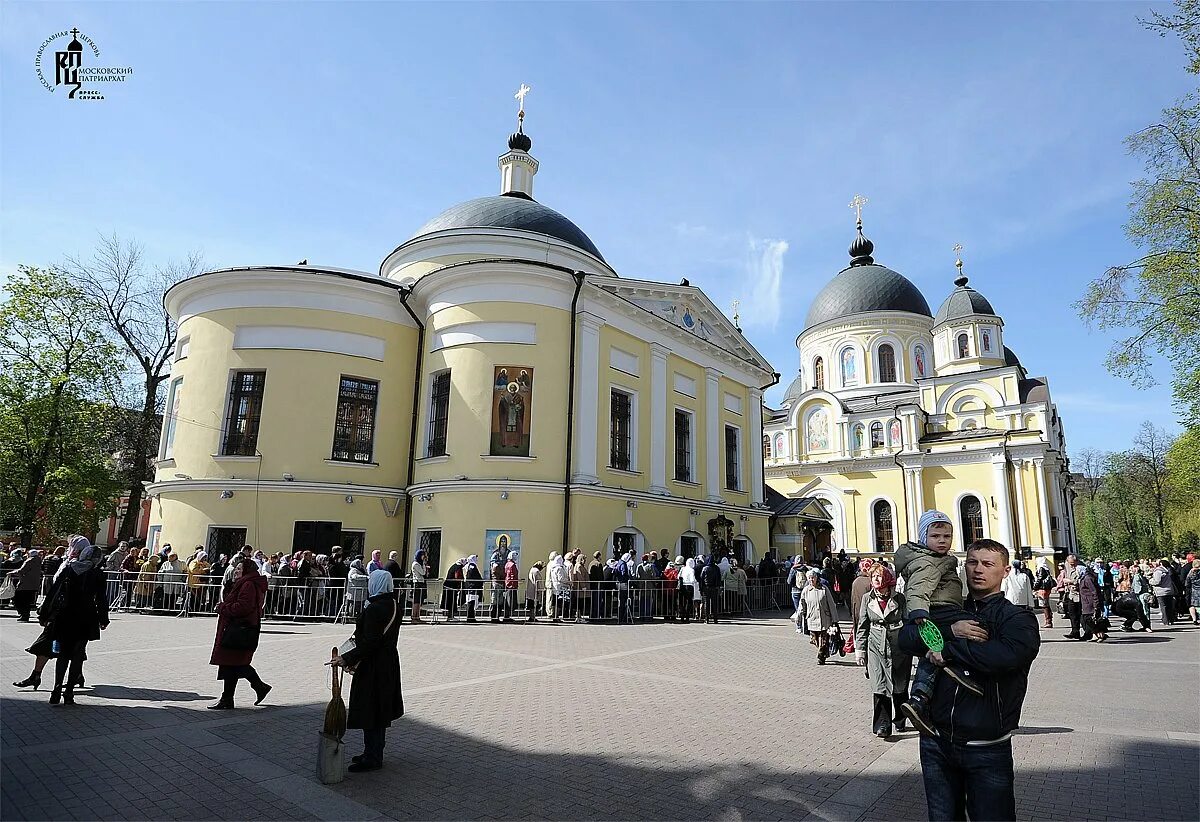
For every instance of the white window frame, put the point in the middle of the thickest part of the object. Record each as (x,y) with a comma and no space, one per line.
(737,449)
(182,347)
(692,472)
(633,425)
(170,421)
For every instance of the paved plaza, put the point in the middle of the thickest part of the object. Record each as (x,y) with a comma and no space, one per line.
(728,722)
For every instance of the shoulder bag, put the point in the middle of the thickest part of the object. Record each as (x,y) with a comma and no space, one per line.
(350,644)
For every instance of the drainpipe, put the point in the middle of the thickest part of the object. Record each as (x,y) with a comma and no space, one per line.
(404,294)
(566,529)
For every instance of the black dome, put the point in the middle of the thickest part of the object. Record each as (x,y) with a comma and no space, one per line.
(869,287)
(963,302)
(519,213)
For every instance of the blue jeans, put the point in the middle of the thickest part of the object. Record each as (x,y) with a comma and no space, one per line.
(968,780)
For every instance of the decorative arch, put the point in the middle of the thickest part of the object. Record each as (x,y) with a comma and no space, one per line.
(849,366)
(832,497)
(899,359)
(884,524)
(858,438)
(969,425)
(818,429)
(991,396)
(1031,421)
(700,543)
(747,550)
(961,537)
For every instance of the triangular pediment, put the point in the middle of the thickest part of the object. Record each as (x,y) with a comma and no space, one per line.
(687,308)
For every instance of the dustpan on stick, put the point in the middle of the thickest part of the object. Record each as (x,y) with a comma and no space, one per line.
(331,751)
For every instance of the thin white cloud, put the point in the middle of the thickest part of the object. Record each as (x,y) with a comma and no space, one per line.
(1083,401)
(764,282)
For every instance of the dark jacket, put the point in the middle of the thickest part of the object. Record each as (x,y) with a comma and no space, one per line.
(375,696)
(710,580)
(86,608)
(1001,664)
(393,568)
(472,579)
(245,602)
(29,576)
(454,577)
(1089,593)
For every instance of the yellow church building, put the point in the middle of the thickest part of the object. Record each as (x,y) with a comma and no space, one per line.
(496,382)
(897,409)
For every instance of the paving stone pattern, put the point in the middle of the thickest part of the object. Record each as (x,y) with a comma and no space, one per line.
(731,722)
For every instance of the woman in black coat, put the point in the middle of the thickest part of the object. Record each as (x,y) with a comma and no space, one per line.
(1091,602)
(375,695)
(74,611)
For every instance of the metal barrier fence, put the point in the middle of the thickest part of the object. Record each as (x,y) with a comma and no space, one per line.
(341,600)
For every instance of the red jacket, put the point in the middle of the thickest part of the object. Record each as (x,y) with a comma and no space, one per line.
(245,602)
(511,575)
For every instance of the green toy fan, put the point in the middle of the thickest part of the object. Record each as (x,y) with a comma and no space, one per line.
(932,637)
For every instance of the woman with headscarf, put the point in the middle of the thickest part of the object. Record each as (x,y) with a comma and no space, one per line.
(816,614)
(560,582)
(859,588)
(376,698)
(240,615)
(356,585)
(877,646)
(376,563)
(687,589)
(550,603)
(74,611)
(472,586)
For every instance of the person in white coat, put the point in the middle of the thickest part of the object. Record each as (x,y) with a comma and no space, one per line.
(1016,588)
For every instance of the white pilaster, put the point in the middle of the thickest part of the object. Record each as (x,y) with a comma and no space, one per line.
(659,444)
(1003,503)
(1022,521)
(588,400)
(1054,501)
(753,453)
(1039,468)
(712,433)
(918,497)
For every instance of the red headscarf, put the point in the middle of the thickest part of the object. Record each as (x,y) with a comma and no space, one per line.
(886,579)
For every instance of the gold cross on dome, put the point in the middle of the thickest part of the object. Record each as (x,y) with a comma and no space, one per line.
(857,204)
(520,98)
(958,248)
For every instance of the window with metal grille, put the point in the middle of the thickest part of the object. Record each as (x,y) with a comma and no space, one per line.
(971,512)
(225,541)
(431,544)
(354,543)
(621,420)
(819,373)
(439,408)
(683,446)
(624,543)
(882,517)
(876,435)
(887,363)
(733,471)
(766,446)
(245,413)
(354,425)
(688,546)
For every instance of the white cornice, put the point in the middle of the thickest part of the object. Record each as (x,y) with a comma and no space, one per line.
(490,243)
(492,281)
(169,487)
(867,321)
(287,287)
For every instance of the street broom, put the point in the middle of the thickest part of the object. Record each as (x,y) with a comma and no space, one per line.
(331,751)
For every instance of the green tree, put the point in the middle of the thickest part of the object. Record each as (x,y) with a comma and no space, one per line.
(1157,297)
(1183,481)
(58,376)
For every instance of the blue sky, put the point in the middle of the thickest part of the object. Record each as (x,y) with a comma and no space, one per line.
(717,142)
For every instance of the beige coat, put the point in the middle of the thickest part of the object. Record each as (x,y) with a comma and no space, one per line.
(877,637)
(816,609)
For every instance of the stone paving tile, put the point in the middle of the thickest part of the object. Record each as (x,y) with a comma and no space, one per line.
(573,721)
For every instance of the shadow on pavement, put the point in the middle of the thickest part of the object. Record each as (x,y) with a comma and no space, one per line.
(123,692)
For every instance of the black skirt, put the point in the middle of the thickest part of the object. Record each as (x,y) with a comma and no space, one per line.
(44,644)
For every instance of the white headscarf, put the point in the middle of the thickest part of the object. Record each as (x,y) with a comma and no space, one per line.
(380,582)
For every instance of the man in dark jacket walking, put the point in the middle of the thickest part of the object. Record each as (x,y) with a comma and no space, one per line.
(968,767)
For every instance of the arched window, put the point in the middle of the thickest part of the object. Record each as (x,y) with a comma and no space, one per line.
(849,367)
(876,435)
(968,425)
(819,374)
(971,513)
(887,363)
(766,446)
(881,515)
(964,349)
